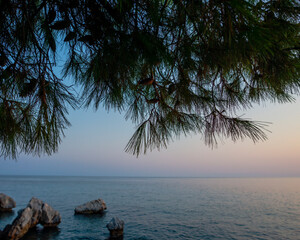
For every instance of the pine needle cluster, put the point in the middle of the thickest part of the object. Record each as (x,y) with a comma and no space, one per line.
(173,66)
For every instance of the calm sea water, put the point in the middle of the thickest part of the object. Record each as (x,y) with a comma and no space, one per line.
(165,208)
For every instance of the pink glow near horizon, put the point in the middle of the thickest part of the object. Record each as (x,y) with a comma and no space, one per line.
(94,145)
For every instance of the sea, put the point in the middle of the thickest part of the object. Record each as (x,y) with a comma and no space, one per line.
(163,208)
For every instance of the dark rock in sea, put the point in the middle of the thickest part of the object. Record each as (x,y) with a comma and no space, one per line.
(92,207)
(35,205)
(36,212)
(6,203)
(50,217)
(23,222)
(115,227)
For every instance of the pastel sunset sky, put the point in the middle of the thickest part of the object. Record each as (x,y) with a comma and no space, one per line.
(94,146)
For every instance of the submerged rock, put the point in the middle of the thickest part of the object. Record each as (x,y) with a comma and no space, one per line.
(6,203)
(36,212)
(115,227)
(92,207)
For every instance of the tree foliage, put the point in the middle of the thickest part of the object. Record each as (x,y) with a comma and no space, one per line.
(173,66)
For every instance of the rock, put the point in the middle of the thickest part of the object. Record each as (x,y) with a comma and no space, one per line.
(95,206)
(6,203)
(35,205)
(50,217)
(20,225)
(115,227)
(36,212)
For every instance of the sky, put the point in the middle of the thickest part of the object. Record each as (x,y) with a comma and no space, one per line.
(94,146)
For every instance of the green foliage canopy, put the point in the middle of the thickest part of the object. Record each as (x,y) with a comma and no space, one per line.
(173,66)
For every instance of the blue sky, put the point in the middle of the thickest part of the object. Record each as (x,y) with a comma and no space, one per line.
(94,146)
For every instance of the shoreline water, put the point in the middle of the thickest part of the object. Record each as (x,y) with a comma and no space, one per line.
(166,208)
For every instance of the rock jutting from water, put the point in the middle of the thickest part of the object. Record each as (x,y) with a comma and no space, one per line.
(49,217)
(115,227)
(6,203)
(92,207)
(36,212)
